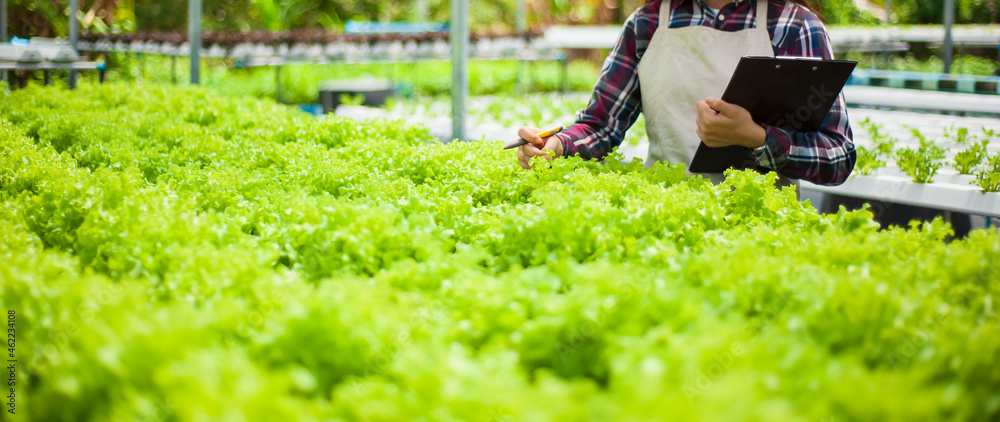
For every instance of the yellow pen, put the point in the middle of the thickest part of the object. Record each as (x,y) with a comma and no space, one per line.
(545,134)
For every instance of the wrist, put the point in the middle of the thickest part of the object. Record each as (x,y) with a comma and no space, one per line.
(756,136)
(560,146)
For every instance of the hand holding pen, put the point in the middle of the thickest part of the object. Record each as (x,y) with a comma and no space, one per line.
(534,142)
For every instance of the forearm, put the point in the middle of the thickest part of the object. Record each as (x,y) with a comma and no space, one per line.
(615,103)
(824,157)
(602,125)
(585,139)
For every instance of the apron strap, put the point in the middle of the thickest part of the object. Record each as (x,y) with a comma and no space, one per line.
(670,13)
(760,21)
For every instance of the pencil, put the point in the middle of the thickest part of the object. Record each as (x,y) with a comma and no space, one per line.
(546,134)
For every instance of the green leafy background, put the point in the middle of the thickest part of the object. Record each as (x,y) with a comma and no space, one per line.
(173,254)
(49,17)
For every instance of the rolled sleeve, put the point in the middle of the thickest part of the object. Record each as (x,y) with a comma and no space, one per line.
(774,153)
(615,104)
(825,156)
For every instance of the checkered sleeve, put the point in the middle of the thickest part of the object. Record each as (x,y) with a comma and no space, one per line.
(615,103)
(823,157)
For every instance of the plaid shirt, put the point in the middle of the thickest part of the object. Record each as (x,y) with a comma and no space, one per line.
(823,157)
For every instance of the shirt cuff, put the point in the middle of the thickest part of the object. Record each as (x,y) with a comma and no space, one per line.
(569,148)
(774,153)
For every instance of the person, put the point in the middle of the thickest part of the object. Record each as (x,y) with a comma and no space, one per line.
(672,62)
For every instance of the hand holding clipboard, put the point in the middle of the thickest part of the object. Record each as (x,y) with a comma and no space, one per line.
(793,93)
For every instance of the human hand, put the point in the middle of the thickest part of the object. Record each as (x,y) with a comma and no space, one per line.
(723,124)
(536,147)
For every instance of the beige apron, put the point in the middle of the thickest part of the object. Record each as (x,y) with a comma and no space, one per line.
(684,65)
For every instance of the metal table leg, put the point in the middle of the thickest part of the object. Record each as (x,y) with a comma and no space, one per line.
(564,83)
(277,82)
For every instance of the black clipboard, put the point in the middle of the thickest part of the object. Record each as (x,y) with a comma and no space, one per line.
(793,93)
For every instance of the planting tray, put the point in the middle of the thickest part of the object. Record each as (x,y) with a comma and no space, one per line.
(375,92)
(949,192)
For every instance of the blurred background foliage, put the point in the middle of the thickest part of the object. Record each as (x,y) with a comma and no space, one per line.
(27,18)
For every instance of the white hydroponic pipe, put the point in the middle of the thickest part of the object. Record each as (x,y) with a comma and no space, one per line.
(74,8)
(194,37)
(459,66)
